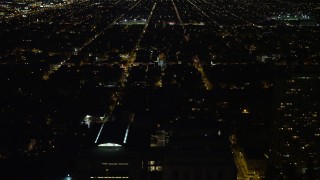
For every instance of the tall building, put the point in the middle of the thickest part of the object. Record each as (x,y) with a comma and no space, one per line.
(296,125)
(188,152)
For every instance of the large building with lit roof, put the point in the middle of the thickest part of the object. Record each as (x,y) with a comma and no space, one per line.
(136,151)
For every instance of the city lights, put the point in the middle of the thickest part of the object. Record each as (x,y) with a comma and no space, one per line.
(160,89)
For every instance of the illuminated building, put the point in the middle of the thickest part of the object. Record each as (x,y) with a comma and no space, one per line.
(189,151)
(117,162)
(162,60)
(296,123)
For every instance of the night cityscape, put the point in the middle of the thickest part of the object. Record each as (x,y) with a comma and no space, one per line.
(160,89)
